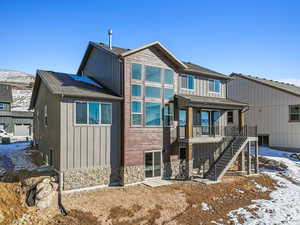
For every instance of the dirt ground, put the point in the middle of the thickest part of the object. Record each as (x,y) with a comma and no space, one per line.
(179,203)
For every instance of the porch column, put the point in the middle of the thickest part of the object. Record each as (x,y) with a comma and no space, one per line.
(249,157)
(256,158)
(241,119)
(189,145)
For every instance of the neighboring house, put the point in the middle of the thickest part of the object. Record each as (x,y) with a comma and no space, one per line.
(17,122)
(275,109)
(169,119)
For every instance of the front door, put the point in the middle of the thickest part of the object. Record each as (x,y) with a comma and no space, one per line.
(153,164)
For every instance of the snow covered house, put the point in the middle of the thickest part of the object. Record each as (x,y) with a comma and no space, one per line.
(132,115)
(274,109)
(19,123)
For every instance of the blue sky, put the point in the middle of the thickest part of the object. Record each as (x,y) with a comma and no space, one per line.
(252,37)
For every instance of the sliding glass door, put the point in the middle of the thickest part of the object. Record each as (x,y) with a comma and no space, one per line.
(153,164)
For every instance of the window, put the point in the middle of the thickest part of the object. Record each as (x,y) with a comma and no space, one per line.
(136,90)
(152,74)
(153,114)
(2,106)
(93,113)
(168,114)
(152,164)
(214,85)
(182,153)
(230,117)
(45,116)
(168,76)
(105,113)
(136,113)
(182,117)
(152,92)
(169,93)
(294,113)
(187,82)
(136,71)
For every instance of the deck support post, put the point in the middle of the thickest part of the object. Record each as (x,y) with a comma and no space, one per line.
(249,157)
(242,164)
(241,120)
(256,158)
(189,145)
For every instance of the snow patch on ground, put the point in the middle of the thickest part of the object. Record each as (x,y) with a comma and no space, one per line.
(284,206)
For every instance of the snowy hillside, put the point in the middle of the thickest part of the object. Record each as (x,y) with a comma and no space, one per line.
(21,91)
(15,76)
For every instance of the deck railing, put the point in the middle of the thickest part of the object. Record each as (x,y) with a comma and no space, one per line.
(225,131)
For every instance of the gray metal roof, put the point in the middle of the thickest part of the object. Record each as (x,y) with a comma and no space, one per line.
(289,88)
(212,102)
(66,85)
(5,93)
(191,67)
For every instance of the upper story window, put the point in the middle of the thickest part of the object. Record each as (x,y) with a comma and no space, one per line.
(169,76)
(230,117)
(136,113)
(182,117)
(153,74)
(152,92)
(169,114)
(152,114)
(294,113)
(136,90)
(169,93)
(136,71)
(187,82)
(214,85)
(93,113)
(2,106)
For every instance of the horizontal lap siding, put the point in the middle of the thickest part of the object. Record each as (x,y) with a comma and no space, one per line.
(201,88)
(89,146)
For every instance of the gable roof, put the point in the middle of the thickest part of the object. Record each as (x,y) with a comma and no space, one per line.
(289,88)
(184,67)
(70,85)
(5,93)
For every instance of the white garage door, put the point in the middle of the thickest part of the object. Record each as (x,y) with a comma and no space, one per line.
(22,130)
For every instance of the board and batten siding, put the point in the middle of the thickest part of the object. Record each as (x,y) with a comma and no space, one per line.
(106,68)
(201,88)
(269,110)
(89,146)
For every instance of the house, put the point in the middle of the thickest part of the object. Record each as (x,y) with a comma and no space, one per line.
(17,122)
(275,109)
(129,115)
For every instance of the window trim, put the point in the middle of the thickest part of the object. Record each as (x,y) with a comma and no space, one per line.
(141,72)
(169,114)
(150,81)
(164,77)
(217,92)
(232,117)
(141,88)
(145,92)
(187,75)
(161,163)
(88,124)
(290,110)
(141,113)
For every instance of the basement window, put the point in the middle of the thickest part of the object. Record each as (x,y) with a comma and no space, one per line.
(294,113)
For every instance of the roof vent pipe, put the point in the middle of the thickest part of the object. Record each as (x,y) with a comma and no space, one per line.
(110,38)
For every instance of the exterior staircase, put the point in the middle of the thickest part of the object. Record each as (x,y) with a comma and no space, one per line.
(226,159)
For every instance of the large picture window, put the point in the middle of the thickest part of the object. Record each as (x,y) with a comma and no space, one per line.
(214,86)
(187,82)
(153,114)
(294,113)
(152,74)
(136,113)
(136,90)
(168,76)
(136,71)
(152,92)
(93,113)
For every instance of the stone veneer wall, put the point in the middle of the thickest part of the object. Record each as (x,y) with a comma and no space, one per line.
(81,178)
(174,169)
(132,174)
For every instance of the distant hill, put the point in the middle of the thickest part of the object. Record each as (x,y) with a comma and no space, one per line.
(21,89)
(15,76)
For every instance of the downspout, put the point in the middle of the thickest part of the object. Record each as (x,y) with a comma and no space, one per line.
(122,118)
